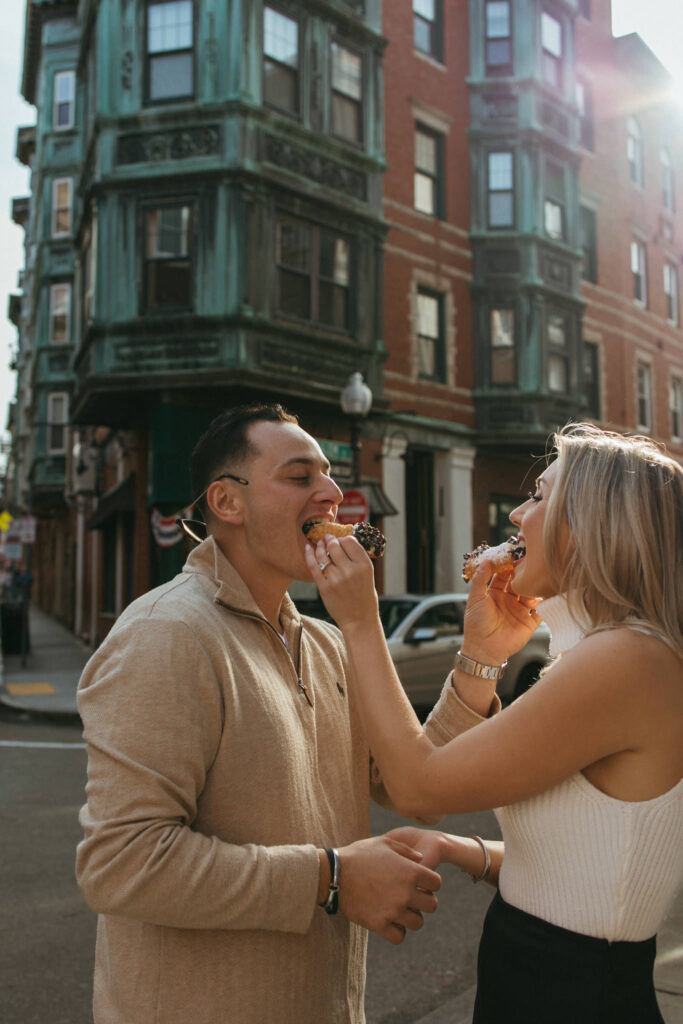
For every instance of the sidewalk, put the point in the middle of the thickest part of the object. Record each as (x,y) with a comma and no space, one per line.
(46,684)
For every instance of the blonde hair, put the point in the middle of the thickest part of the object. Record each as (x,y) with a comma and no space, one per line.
(622,499)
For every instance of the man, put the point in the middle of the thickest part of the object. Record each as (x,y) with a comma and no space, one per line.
(226,757)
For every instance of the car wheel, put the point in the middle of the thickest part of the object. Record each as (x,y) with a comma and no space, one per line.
(526,678)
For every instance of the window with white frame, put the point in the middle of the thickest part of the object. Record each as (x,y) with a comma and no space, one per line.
(667,172)
(671,291)
(554,219)
(170,49)
(503,353)
(280,60)
(63,100)
(62,190)
(644,395)
(428,190)
(427,27)
(431,354)
(60,313)
(168,257)
(639,271)
(676,406)
(552,47)
(634,151)
(347,93)
(57,410)
(558,352)
(498,37)
(501,190)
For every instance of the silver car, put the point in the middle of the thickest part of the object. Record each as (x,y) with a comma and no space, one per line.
(424,634)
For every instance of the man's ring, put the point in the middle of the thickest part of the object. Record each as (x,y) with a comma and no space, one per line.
(323,565)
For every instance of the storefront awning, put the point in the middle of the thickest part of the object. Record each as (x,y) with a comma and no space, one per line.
(119,499)
(378,501)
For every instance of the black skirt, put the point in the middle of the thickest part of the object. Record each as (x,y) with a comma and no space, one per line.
(532,972)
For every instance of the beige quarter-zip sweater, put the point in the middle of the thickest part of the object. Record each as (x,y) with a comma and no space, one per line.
(218,761)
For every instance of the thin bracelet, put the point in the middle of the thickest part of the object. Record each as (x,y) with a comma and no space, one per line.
(487,861)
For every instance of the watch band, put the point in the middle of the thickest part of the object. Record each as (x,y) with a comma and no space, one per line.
(331,904)
(478,668)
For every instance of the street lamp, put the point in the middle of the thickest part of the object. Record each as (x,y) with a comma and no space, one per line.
(356,400)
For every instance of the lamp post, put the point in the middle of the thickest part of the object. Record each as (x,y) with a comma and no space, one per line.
(356,400)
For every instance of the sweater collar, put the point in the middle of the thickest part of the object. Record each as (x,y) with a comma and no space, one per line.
(564,629)
(208,560)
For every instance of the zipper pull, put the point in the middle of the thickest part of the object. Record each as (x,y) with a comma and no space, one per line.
(302,687)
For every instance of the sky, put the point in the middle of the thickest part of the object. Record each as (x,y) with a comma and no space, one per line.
(659,23)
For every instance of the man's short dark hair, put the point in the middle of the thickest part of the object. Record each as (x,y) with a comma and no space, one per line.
(225,443)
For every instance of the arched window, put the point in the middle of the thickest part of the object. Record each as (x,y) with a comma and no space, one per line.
(634,150)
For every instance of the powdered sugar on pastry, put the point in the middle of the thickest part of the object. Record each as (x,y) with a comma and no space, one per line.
(502,557)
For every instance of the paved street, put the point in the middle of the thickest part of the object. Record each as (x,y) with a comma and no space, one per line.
(47,944)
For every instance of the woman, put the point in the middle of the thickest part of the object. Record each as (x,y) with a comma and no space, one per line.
(584,769)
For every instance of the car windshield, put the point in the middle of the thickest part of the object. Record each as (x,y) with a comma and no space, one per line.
(392,612)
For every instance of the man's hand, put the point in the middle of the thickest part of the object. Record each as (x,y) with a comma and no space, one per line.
(432,845)
(385,887)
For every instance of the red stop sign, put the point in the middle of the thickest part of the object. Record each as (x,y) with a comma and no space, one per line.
(353,508)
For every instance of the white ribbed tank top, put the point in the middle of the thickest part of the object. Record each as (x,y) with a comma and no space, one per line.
(583,860)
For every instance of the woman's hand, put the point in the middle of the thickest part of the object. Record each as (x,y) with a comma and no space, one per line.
(347,580)
(497,621)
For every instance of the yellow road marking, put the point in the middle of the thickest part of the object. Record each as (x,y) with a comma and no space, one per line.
(26,689)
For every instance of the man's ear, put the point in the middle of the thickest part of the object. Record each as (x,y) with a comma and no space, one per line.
(225,503)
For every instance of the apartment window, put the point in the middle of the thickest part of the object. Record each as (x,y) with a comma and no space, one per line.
(89,255)
(428,171)
(552,50)
(591,378)
(170,49)
(501,190)
(639,270)
(427,27)
(498,38)
(676,406)
(589,244)
(280,60)
(503,355)
(554,219)
(667,172)
(60,313)
(671,291)
(57,407)
(634,151)
(644,396)
(64,100)
(584,101)
(61,207)
(558,353)
(347,93)
(313,273)
(431,354)
(168,257)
